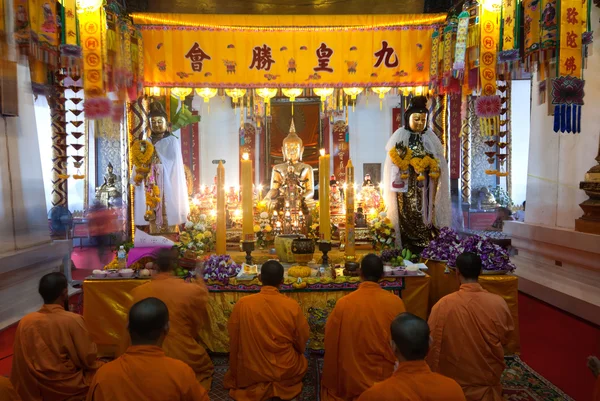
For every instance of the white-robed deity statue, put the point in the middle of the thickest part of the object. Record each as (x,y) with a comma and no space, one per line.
(161,195)
(416,180)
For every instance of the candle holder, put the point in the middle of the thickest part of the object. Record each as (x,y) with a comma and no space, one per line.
(248,247)
(325,247)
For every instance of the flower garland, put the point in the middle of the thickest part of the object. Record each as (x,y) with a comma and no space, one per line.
(420,165)
(141,154)
(153,196)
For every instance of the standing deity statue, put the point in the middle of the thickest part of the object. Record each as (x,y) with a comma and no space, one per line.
(416,181)
(292,178)
(161,194)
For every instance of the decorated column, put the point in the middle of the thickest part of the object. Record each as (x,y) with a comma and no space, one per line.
(56,101)
(350,235)
(221,222)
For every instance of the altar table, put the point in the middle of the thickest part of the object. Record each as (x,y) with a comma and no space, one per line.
(105,303)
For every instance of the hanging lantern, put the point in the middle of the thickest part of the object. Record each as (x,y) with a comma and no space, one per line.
(353,93)
(181,93)
(235,94)
(154,91)
(292,93)
(207,94)
(381,91)
(88,6)
(267,94)
(323,93)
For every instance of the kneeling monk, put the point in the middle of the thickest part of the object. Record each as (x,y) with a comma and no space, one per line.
(268,334)
(54,356)
(7,392)
(143,372)
(187,311)
(357,337)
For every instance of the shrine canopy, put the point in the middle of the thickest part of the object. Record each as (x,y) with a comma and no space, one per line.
(255,51)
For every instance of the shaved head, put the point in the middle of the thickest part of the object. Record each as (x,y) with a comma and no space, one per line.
(410,333)
(148,320)
(371,268)
(271,273)
(52,287)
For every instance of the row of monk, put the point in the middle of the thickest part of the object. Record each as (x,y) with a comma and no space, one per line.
(374,349)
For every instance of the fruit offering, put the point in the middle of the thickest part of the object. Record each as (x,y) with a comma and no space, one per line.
(299,271)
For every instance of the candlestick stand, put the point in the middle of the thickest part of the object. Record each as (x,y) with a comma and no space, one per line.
(325,247)
(248,247)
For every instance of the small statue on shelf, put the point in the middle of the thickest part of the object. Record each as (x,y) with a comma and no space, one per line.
(108,193)
(336,201)
(360,221)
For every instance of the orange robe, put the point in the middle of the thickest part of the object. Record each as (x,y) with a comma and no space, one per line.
(414,381)
(7,391)
(143,372)
(54,357)
(357,342)
(597,389)
(469,329)
(187,313)
(268,334)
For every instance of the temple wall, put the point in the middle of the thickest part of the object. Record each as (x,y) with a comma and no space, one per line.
(558,162)
(520,126)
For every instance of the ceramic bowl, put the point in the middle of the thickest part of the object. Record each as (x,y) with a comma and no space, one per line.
(99,274)
(127,273)
(112,274)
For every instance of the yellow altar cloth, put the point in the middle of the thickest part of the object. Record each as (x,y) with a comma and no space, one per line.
(507,286)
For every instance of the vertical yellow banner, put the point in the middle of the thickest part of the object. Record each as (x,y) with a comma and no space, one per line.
(570,38)
(90,28)
(490,37)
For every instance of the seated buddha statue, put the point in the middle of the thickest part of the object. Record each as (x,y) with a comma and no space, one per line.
(108,192)
(335,196)
(291,181)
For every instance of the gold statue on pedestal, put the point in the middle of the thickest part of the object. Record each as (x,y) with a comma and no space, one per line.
(590,221)
(291,180)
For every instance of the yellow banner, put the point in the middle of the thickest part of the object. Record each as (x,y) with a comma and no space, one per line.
(571,12)
(531,25)
(509,8)
(490,37)
(70,22)
(307,55)
(91,29)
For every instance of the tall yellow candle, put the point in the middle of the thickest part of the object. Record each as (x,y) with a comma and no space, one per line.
(221,223)
(350,235)
(324,211)
(247,195)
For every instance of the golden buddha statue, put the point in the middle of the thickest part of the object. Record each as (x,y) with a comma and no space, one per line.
(108,192)
(291,180)
(416,181)
(168,174)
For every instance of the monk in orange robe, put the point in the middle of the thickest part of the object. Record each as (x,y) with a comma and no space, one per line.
(357,337)
(468,330)
(413,379)
(268,334)
(143,372)
(7,391)
(187,309)
(54,357)
(594,365)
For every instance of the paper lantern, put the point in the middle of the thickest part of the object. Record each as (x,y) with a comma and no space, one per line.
(381,91)
(235,94)
(181,93)
(292,93)
(267,94)
(206,93)
(353,92)
(323,93)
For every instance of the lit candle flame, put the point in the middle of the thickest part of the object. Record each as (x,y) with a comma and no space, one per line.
(322,151)
(246,156)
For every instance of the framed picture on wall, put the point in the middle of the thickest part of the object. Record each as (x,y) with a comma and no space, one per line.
(374,170)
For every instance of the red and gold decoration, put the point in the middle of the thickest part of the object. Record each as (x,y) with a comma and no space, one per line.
(531,9)
(341,149)
(567,89)
(56,101)
(490,36)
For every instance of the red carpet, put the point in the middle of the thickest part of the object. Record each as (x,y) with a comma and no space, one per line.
(556,345)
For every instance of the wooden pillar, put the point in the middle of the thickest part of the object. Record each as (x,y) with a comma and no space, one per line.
(56,101)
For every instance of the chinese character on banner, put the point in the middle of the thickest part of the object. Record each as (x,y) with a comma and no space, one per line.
(570,65)
(572,39)
(197,56)
(324,53)
(572,15)
(261,58)
(386,54)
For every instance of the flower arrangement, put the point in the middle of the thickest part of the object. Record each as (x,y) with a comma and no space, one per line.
(299,271)
(141,154)
(442,246)
(263,230)
(152,196)
(493,257)
(196,238)
(419,164)
(383,233)
(220,268)
(392,256)
(313,230)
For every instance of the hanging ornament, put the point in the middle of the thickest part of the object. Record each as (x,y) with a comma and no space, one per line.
(292,93)
(235,94)
(267,94)
(381,91)
(488,108)
(353,93)
(323,93)
(207,94)
(181,93)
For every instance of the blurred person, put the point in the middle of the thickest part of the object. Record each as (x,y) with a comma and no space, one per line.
(144,372)
(54,356)
(413,379)
(502,214)
(187,310)
(361,317)
(520,214)
(7,391)
(469,329)
(268,334)
(102,223)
